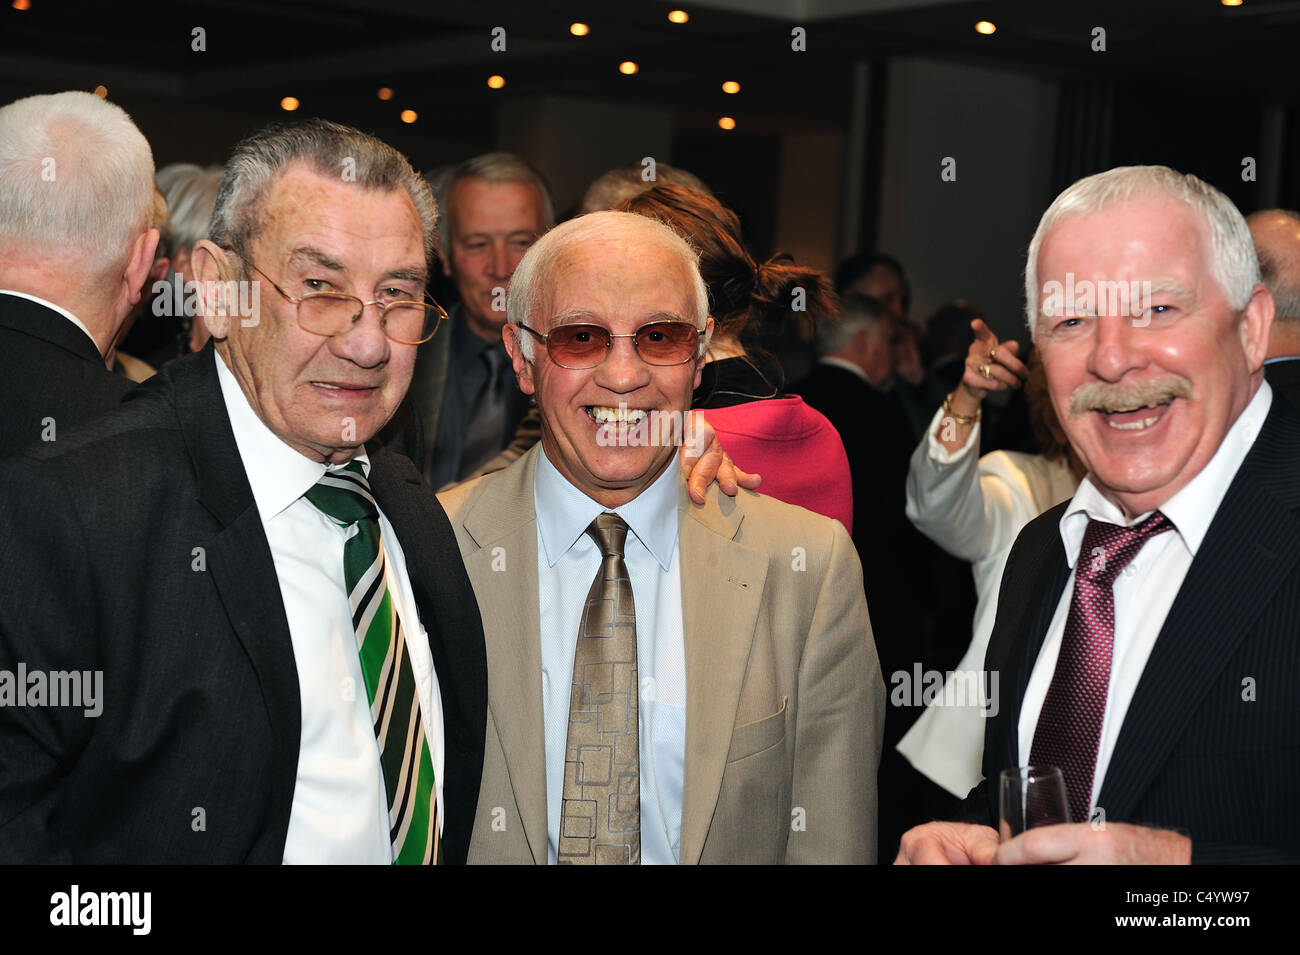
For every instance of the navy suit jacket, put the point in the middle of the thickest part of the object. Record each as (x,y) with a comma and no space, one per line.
(1210,745)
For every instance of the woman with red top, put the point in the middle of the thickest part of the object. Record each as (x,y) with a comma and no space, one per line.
(794,447)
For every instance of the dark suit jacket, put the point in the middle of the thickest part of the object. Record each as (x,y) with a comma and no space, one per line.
(1210,745)
(51,370)
(134,547)
(1284,377)
(441,416)
(896,558)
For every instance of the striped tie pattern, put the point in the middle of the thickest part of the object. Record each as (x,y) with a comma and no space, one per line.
(344,496)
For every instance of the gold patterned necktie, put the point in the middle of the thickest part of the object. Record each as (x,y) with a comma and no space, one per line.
(600,815)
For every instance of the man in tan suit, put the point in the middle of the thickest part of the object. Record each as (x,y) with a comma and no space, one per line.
(668,682)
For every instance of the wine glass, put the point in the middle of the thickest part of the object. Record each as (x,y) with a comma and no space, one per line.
(1029,797)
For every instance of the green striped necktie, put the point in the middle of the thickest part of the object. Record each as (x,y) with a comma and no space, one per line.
(344,496)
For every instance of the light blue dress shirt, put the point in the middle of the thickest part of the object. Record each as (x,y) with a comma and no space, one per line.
(567,562)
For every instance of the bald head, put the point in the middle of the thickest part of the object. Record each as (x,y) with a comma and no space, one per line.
(1276,234)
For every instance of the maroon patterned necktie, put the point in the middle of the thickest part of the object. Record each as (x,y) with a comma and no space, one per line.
(1069,726)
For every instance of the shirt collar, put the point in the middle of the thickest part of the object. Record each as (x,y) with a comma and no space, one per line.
(55,308)
(1192,509)
(277,474)
(651,515)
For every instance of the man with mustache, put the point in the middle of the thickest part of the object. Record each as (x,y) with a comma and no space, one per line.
(1146,629)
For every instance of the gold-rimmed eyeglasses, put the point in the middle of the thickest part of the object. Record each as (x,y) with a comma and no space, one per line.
(335,313)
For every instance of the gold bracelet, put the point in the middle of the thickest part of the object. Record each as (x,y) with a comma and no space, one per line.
(959,418)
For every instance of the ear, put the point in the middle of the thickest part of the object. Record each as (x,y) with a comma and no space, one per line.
(510,335)
(211,265)
(160,269)
(1256,325)
(139,264)
(699,362)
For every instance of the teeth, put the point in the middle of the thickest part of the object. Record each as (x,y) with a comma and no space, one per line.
(323,385)
(1135,425)
(621,414)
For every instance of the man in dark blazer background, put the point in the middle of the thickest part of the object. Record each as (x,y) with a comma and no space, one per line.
(1277,242)
(76,245)
(200,553)
(1145,635)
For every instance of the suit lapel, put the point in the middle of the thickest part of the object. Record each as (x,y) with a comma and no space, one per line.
(239,560)
(1031,589)
(1252,545)
(502,523)
(722,590)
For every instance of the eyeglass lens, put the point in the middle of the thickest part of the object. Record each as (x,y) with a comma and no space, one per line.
(658,343)
(327,314)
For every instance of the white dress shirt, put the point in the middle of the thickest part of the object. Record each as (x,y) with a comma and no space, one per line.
(57,308)
(567,562)
(974,508)
(1145,590)
(340,807)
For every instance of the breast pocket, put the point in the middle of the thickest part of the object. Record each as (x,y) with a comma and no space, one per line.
(755,737)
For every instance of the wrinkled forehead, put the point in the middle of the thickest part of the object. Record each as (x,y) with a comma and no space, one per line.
(623,274)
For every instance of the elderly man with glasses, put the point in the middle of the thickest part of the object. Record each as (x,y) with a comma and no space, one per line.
(669,682)
(274,646)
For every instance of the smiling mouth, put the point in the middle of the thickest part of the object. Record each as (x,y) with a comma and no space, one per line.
(1135,418)
(620,417)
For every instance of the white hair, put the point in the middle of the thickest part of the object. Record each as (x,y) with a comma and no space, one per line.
(191,193)
(75,173)
(534,272)
(1232,253)
(328,148)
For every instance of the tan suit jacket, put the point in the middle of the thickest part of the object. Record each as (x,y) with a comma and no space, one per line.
(784,697)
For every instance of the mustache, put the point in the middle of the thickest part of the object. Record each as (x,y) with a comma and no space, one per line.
(1099,396)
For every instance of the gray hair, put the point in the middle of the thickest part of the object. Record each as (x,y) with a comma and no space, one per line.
(492,167)
(623,182)
(1232,253)
(856,313)
(1280,266)
(75,172)
(537,267)
(332,150)
(191,193)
